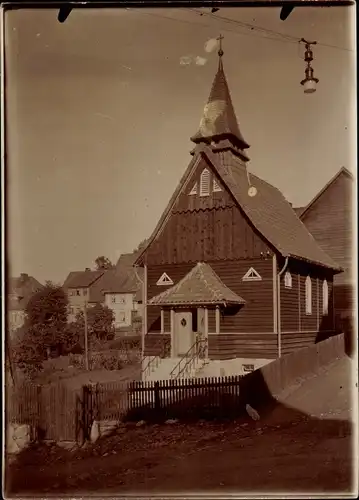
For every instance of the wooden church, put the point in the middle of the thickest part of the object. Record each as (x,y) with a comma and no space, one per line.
(229,266)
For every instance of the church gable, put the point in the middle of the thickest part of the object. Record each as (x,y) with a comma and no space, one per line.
(205,227)
(203,190)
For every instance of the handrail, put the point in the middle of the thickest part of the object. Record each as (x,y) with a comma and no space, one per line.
(195,352)
(154,360)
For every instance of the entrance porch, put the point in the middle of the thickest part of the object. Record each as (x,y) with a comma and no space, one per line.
(187,304)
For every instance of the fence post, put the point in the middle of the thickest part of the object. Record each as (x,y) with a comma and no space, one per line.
(38,434)
(157,396)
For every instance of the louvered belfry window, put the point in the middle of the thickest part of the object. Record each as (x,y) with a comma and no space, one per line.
(205,183)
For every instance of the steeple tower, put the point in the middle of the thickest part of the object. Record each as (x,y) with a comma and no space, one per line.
(219,126)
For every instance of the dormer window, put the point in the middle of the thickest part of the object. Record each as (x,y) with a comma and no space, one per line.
(205,183)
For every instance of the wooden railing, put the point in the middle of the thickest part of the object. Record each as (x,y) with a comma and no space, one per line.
(185,366)
(151,365)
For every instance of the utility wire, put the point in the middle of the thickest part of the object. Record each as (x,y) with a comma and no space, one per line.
(272,35)
(283,37)
(203,25)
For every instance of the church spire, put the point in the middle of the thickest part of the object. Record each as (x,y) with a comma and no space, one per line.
(219,120)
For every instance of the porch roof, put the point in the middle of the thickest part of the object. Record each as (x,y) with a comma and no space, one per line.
(201,286)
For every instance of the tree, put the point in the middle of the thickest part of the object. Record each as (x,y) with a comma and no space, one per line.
(100,325)
(45,324)
(103,262)
(141,246)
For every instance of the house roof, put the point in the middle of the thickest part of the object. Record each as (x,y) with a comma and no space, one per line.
(219,118)
(201,286)
(122,279)
(342,171)
(82,279)
(20,290)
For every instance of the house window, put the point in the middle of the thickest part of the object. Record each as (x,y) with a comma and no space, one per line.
(288,280)
(308,295)
(216,186)
(78,292)
(121,317)
(194,189)
(113,299)
(85,291)
(204,186)
(325,298)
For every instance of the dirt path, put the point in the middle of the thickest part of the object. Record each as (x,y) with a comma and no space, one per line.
(288,450)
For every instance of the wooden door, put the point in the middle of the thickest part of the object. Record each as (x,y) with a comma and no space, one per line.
(184,337)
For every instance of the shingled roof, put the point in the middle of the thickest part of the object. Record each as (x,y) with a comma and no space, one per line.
(124,278)
(268,211)
(82,279)
(219,118)
(201,286)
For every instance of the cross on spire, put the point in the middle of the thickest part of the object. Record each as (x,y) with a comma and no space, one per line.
(220,51)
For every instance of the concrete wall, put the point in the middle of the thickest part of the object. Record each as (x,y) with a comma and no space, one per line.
(275,377)
(230,367)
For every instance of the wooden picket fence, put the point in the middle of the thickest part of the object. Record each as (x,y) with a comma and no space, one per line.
(60,414)
(50,411)
(185,398)
(166,398)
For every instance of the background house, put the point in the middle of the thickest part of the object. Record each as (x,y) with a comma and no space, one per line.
(77,286)
(20,290)
(329,218)
(119,288)
(229,262)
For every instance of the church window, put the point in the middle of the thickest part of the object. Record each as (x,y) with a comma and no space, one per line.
(308,296)
(325,298)
(204,186)
(288,280)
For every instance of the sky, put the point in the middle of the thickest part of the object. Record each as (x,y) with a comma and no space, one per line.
(100,111)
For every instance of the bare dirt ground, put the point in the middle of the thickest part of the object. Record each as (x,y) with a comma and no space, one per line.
(303,444)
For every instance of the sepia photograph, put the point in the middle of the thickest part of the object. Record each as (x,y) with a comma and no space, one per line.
(179,228)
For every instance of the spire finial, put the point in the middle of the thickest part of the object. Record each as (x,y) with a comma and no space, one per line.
(220,51)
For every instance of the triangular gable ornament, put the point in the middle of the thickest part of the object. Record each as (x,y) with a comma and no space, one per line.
(216,186)
(194,189)
(252,275)
(165,280)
